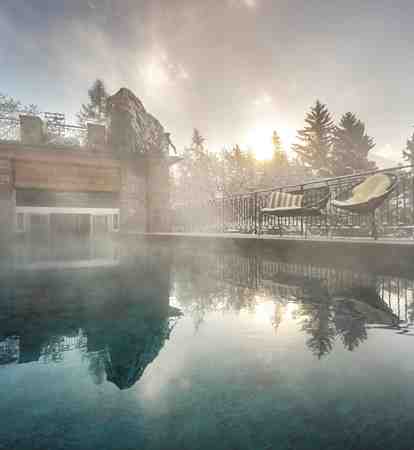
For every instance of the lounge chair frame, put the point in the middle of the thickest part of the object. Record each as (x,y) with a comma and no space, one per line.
(368,207)
(310,208)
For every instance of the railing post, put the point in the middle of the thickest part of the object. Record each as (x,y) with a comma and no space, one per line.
(301,217)
(412,195)
(222,214)
(256,211)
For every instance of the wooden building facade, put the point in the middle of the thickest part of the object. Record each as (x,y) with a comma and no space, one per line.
(50,187)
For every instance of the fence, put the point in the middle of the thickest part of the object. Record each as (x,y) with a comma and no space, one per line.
(240,213)
(67,135)
(9,128)
(56,133)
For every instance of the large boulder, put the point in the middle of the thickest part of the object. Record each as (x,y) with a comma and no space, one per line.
(132,130)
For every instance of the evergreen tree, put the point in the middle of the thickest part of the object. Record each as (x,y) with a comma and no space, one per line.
(198,173)
(279,157)
(315,140)
(351,146)
(96,109)
(239,170)
(408,152)
(276,171)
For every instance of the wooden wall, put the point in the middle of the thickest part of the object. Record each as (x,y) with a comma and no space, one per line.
(66,177)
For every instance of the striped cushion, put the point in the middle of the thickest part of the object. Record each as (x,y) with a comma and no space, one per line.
(285,200)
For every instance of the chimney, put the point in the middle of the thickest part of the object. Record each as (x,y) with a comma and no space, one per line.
(31,129)
(96,136)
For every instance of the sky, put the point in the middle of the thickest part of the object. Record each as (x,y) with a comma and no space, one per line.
(234,69)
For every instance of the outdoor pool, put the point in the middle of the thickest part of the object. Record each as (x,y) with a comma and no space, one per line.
(123,346)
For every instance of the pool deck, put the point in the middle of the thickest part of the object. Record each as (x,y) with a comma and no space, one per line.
(294,238)
(384,254)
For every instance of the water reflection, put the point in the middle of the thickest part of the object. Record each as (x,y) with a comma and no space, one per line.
(117,316)
(330,304)
(211,350)
(111,302)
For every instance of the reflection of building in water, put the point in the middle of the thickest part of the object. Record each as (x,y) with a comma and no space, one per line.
(66,254)
(120,315)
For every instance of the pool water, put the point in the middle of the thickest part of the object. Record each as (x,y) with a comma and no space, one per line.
(151,347)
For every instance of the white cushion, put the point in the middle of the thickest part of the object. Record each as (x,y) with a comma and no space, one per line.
(371,188)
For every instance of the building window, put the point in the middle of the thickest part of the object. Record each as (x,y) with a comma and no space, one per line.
(115,222)
(20,222)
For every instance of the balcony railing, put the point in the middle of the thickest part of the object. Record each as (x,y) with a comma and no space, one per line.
(53,132)
(9,129)
(240,213)
(67,135)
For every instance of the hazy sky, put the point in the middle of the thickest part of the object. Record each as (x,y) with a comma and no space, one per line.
(235,69)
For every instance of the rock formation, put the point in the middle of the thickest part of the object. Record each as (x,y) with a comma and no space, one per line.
(132,130)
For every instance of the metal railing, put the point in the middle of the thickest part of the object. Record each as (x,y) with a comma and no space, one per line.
(54,133)
(67,135)
(9,128)
(240,213)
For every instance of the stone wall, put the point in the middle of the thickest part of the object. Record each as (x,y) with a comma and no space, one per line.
(158,195)
(133,196)
(7,198)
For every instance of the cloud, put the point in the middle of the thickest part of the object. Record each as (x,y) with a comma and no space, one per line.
(159,70)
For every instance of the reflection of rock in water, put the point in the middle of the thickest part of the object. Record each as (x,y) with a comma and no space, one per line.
(127,358)
(118,317)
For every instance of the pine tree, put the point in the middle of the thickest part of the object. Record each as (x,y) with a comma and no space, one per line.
(408,152)
(315,140)
(96,109)
(240,170)
(199,173)
(279,157)
(351,146)
(275,170)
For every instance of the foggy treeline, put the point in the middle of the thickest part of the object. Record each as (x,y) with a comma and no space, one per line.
(322,149)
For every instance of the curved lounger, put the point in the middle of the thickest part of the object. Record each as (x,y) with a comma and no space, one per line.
(367,196)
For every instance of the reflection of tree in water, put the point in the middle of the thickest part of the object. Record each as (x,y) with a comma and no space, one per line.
(350,324)
(317,321)
(278,315)
(345,314)
(201,292)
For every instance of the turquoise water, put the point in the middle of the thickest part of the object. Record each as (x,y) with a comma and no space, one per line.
(147,347)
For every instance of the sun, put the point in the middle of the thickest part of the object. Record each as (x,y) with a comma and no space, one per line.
(259,139)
